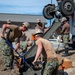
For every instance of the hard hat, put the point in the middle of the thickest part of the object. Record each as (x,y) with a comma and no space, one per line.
(38,31)
(8,21)
(26,24)
(38,20)
(63,19)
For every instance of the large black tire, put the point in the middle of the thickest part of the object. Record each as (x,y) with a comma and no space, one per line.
(67,7)
(48,12)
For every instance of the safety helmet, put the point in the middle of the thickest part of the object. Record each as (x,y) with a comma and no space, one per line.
(63,19)
(37,31)
(26,24)
(8,21)
(38,20)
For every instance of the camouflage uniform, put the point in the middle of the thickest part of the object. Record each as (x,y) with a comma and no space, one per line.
(50,67)
(49,56)
(65,34)
(23,46)
(7,51)
(40,25)
(8,54)
(65,40)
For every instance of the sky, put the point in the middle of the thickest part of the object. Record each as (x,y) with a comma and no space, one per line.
(33,7)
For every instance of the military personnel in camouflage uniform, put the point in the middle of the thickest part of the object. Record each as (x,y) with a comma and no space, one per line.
(25,42)
(45,48)
(14,32)
(40,25)
(65,34)
(24,46)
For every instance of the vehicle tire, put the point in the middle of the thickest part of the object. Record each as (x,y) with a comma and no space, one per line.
(66,7)
(47,12)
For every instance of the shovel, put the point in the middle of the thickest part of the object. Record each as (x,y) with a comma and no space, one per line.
(17,53)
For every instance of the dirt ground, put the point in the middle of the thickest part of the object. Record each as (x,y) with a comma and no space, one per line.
(69,71)
(71,56)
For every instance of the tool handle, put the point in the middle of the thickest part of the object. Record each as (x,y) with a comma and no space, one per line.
(17,53)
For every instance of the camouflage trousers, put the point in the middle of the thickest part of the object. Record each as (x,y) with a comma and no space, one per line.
(65,40)
(23,46)
(50,67)
(8,54)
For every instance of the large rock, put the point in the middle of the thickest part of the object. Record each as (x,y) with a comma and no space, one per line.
(66,64)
